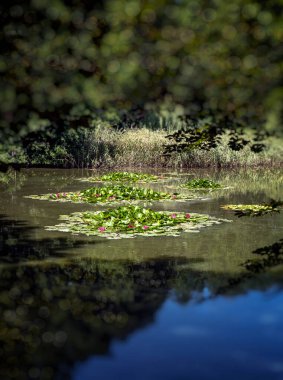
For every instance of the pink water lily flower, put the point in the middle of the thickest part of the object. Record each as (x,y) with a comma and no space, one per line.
(145,227)
(188,215)
(101,229)
(174,216)
(57,195)
(173,196)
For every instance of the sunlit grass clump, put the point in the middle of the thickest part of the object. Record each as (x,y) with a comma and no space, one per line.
(124,177)
(254,210)
(130,221)
(112,193)
(201,184)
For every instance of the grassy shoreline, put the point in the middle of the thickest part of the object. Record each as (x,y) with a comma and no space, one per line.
(106,148)
(139,148)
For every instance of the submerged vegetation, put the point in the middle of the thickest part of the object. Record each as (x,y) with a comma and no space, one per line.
(112,193)
(130,221)
(200,184)
(255,210)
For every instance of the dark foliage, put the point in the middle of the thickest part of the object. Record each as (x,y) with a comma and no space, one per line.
(205,131)
(61,56)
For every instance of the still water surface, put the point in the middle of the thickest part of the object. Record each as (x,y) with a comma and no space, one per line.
(187,307)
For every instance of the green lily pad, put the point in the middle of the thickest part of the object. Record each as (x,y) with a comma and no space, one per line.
(124,177)
(254,210)
(112,194)
(201,184)
(132,221)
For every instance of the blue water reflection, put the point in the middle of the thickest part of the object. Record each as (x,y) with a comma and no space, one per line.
(223,338)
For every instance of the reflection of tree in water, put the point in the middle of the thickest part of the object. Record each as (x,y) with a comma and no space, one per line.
(11,180)
(255,184)
(266,258)
(17,246)
(54,315)
(271,255)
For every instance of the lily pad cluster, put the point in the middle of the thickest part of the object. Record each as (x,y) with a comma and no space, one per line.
(200,184)
(111,193)
(124,177)
(131,221)
(254,210)
(127,220)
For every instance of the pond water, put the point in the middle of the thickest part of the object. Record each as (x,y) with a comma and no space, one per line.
(80,308)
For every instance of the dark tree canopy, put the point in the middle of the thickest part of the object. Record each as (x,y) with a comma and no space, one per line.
(60,54)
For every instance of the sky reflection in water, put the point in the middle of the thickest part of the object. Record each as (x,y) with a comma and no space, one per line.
(224,338)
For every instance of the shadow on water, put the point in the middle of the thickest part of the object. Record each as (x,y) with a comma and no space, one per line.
(257,273)
(17,244)
(55,315)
